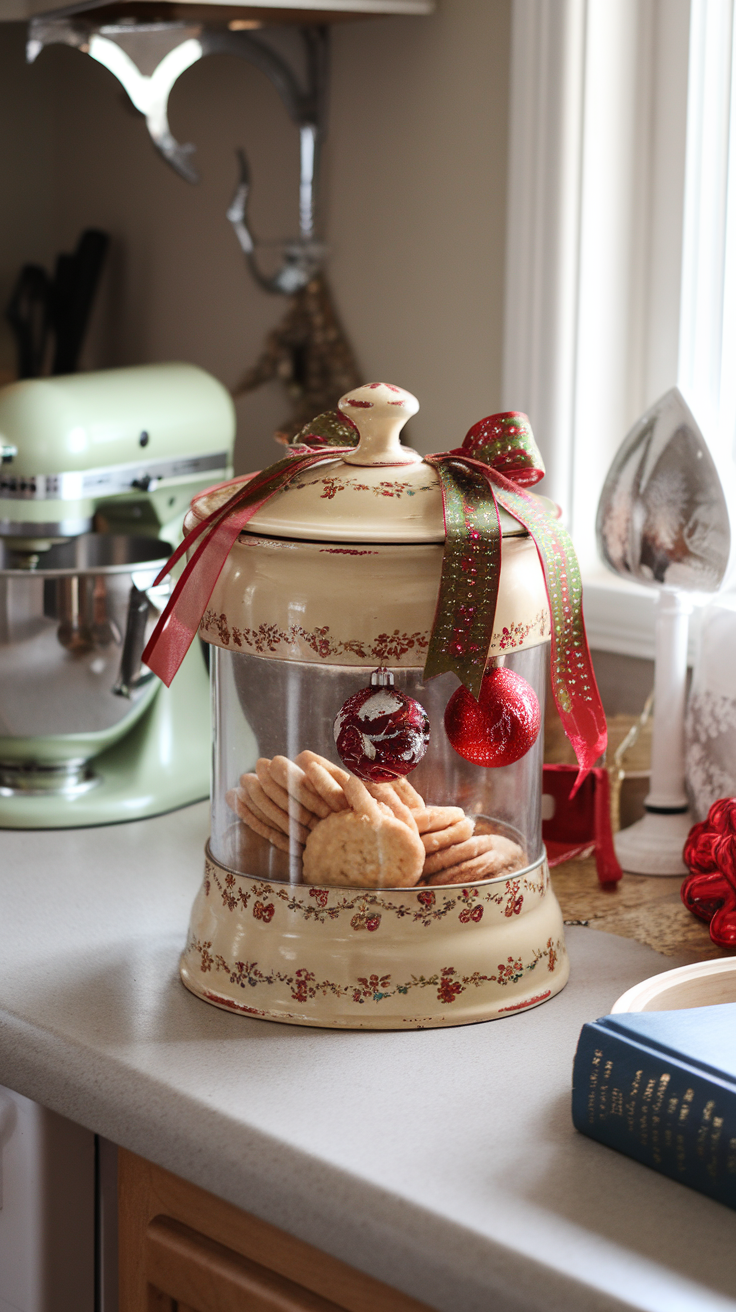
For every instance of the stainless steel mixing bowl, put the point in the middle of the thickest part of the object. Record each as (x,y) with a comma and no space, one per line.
(72,630)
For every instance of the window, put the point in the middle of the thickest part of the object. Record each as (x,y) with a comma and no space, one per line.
(621,265)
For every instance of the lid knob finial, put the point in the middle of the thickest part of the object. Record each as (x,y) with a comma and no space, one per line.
(379,411)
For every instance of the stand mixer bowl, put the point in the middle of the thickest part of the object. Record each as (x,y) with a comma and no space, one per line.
(72,630)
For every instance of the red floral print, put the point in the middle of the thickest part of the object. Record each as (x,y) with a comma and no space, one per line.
(362,921)
(305,986)
(510,971)
(269,637)
(264,912)
(515,899)
(449,988)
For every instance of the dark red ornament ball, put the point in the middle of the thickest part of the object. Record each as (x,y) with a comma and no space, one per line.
(501,726)
(381,733)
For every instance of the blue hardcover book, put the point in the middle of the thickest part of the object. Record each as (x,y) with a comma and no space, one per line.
(661,1087)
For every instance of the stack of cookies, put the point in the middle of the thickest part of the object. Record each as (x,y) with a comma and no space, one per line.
(281,804)
(365,835)
(455,854)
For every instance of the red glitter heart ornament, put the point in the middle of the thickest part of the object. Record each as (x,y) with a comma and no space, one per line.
(501,726)
(380,733)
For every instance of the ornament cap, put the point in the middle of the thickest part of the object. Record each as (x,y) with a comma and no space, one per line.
(382,678)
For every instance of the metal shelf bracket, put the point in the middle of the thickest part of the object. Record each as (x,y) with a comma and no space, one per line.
(148,59)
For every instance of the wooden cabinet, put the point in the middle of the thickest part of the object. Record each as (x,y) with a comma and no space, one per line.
(184,1250)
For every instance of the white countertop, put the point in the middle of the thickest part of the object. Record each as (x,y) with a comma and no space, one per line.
(442,1161)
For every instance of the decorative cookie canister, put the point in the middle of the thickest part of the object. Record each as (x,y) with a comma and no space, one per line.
(379,627)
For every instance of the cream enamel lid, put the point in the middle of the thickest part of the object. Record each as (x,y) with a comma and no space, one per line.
(380,492)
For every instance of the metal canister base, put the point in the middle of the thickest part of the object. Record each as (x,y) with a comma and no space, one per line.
(351,958)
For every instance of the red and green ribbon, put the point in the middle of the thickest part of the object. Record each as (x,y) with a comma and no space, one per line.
(501,455)
(497,461)
(218,531)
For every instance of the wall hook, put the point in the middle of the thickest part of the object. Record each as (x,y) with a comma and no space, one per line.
(301,258)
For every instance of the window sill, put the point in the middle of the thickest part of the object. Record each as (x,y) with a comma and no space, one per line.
(619,616)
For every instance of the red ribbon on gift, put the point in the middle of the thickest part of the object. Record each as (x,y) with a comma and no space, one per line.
(497,460)
(580,824)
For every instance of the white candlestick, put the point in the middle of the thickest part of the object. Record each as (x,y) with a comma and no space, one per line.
(653,846)
(667,781)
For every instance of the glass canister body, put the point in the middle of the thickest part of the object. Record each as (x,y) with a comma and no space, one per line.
(297,629)
(271,714)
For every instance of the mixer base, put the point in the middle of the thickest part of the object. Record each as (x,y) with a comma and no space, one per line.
(162,764)
(32,780)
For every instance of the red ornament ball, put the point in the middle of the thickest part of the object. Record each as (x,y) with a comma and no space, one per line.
(380,733)
(501,726)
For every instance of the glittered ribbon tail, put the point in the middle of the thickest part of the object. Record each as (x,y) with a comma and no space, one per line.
(574,685)
(463,628)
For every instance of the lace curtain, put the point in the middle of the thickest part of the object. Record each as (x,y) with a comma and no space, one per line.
(710,728)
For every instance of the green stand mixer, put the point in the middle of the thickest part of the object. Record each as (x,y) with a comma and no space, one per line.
(97,473)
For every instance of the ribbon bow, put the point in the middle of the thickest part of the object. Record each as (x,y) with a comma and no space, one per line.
(497,461)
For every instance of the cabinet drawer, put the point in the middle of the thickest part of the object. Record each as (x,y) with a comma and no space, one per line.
(185,1250)
(200,1275)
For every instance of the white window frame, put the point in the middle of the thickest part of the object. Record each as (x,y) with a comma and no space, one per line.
(621,239)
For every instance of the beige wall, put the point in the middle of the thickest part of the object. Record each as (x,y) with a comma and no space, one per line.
(414,208)
(25,173)
(417,205)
